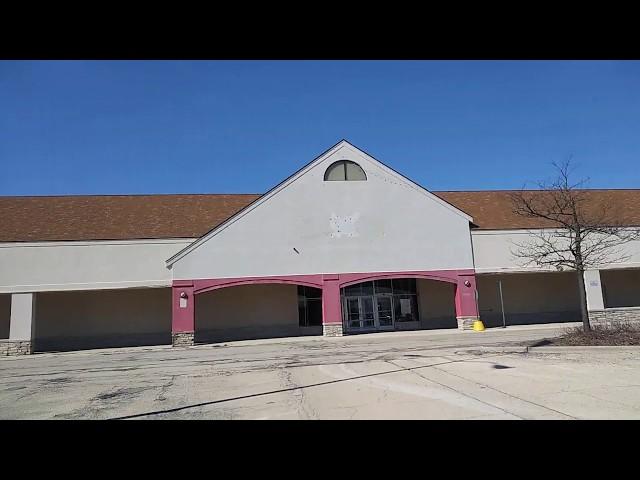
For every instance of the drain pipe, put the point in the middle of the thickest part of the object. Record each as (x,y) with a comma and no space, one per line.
(504,322)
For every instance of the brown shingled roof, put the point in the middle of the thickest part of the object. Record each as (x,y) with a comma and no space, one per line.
(492,209)
(114,217)
(122,217)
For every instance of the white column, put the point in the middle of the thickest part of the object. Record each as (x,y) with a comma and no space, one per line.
(593,287)
(22,316)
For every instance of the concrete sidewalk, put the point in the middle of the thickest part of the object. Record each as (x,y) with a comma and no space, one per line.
(515,333)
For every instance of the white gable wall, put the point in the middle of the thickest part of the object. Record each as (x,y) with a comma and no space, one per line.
(383,224)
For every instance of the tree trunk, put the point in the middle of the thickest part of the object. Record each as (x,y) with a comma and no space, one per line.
(583,300)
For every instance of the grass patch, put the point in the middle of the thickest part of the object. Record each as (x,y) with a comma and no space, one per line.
(600,335)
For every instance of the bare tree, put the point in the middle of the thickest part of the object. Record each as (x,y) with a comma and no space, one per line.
(578,231)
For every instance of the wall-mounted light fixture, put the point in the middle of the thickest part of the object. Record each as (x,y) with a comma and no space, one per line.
(467,283)
(183,294)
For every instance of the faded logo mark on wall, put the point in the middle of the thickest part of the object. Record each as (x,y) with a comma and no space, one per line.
(343,226)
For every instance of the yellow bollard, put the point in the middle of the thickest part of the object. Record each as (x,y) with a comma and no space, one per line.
(478,326)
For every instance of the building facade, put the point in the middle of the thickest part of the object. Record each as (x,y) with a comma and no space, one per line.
(345,245)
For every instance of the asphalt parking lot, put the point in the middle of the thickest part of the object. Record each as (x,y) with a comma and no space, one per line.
(396,375)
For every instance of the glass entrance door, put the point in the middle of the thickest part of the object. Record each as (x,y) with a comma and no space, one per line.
(385,304)
(360,315)
(384,312)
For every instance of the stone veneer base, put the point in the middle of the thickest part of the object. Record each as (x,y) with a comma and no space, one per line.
(611,316)
(466,323)
(332,330)
(182,339)
(15,347)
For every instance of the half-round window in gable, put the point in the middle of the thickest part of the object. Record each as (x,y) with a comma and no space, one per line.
(344,170)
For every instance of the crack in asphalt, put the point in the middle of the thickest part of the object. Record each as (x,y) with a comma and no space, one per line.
(457,391)
(288,389)
(184,362)
(505,393)
(298,393)
(103,402)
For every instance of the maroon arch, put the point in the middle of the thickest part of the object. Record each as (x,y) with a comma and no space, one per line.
(330,284)
(398,275)
(207,285)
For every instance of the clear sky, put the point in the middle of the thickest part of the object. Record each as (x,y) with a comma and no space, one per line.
(105,127)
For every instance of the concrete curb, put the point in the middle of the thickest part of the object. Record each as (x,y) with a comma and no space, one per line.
(584,349)
(552,349)
(487,349)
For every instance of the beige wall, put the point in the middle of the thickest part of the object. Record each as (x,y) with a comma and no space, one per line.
(5,315)
(529,298)
(493,252)
(436,304)
(76,266)
(104,318)
(620,288)
(249,311)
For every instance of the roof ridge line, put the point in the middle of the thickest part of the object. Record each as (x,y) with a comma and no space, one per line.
(73,195)
(79,195)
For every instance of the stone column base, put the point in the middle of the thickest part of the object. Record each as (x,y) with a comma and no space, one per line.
(15,347)
(332,330)
(615,316)
(182,339)
(466,323)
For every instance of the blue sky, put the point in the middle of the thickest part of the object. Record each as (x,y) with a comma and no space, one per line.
(106,127)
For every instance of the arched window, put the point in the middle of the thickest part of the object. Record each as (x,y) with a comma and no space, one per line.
(344,170)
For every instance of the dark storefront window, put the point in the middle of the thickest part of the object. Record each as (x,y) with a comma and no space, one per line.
(309,306)
(364,288)
(406,308)
(383,286)
(406,286)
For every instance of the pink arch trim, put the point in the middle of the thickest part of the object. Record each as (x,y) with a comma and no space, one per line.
(354,279)
(318,280)
(207,285)
(183,316)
